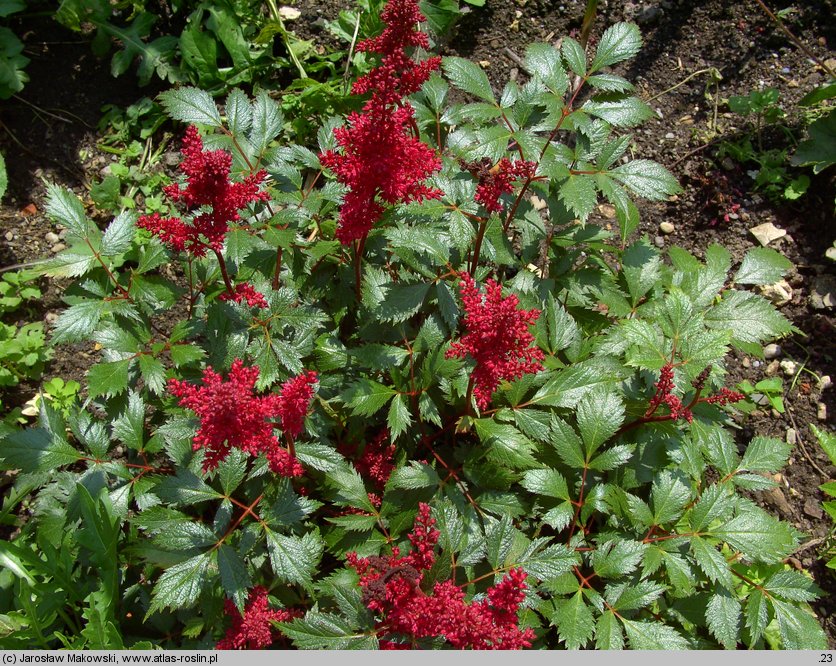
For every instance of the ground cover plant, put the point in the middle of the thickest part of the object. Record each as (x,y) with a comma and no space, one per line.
(401,408)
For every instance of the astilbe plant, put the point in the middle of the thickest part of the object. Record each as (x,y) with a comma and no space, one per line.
(503,428)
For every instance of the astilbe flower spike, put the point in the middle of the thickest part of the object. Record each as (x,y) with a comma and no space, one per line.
(253,629)
(499,180)
(231,416)
(497,338)
(245,292)
(210,194)
(405,612)
(664,396)
(381,161)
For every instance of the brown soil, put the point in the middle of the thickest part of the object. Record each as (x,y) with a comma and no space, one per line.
(681,37)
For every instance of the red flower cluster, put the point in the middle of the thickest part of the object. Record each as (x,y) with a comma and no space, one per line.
(231,416)
(392,590)
(377,461)
(664,395)
(381,160)
(252,630)
(499,180)
(208,185)
(497,338)
(295,401)
(725,397)
(245,292)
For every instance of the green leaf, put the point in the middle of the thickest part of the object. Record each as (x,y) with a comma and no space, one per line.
(543,62)
(185,488)
(36,450)
(546,482)
(108,378)
(567,444)
(351,490)
(608,634)
(620,41)
(669,496)
(642,269)
(574,621)
(765,454)
(757,613)
(413,476)
(647,179)
(762,265)
(818,151)
(716,503)
(234,577)
(326,631)
(318,456)
(723,617)
(64,207)
(792,585)
(614,559)
(799,628)
(153,373)
(398,419)
(750,318)
(574,56)
(294,559)
(267,122)
(401,301)
(129,426)
(758,535)
(181,585)
(366,397)
(600,414)
(827,441)
(239,112)
(711,562)
(505,444)
(579,195)
(623,111)
(191,106)
(232,470)
(468,76)
(569,385)
(550,563)
(632,596)
(119,234)
(648,635)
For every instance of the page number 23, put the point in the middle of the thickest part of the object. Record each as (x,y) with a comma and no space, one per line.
(826,658)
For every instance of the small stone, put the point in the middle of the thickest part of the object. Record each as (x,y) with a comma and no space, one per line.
(779,293)
(830,253)
(607,210)
(484,64)
(289,13)
(649,15)
(51,238)
(50,318)
(756,364)
(537,202)
(776,497)
(813,509)
(746,362)
(792,436)
(773,368)
(771,351)
(9,236)
(824,382)
(667,227)
(55,249)
(766,233)
(823,292)
(670,135)
(727,164)
(830,63)
(789,367)
(792,83)
(821,411)
(659,241)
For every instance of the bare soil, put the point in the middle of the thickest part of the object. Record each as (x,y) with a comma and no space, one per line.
(52,136)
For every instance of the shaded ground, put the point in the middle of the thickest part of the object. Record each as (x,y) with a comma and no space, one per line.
(682,38)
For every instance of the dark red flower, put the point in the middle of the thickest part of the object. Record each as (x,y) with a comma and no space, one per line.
(253,630)
(231,416)
(294,401)
(377,461)
(497,338)
(392,590)
(499,180)
(245,292)
(208,186)
(381,161)
(664,395)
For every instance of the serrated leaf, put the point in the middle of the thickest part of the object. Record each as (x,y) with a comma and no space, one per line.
(633,596)
(599,414)
(608,634)
(668,497)
(647,179)
(762,265)
(567,444)
(64,207)
(792,585)
(757,613)
(468,76)
(613,457)
(129,426)
(648,635)
(318,456)
(765,454)
(239,112)
(119,234)
(36,450)
(758,535)
(181,585)
(267,121)
(614,559)
(543,61)
(827,441)
(413,476)
(551,562)
(401,301)
(367,397)
(108,378)
(398,419)
(351,490)
(711,562)
(153,373)
(234,577)
(185,488)
(723,617)
(574,56)
(505,444)
(619,42)
(579,195)
(574,621)
(294,559)
(546,482)
(799,628)
(326,631)
(750,318)
(191,106)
